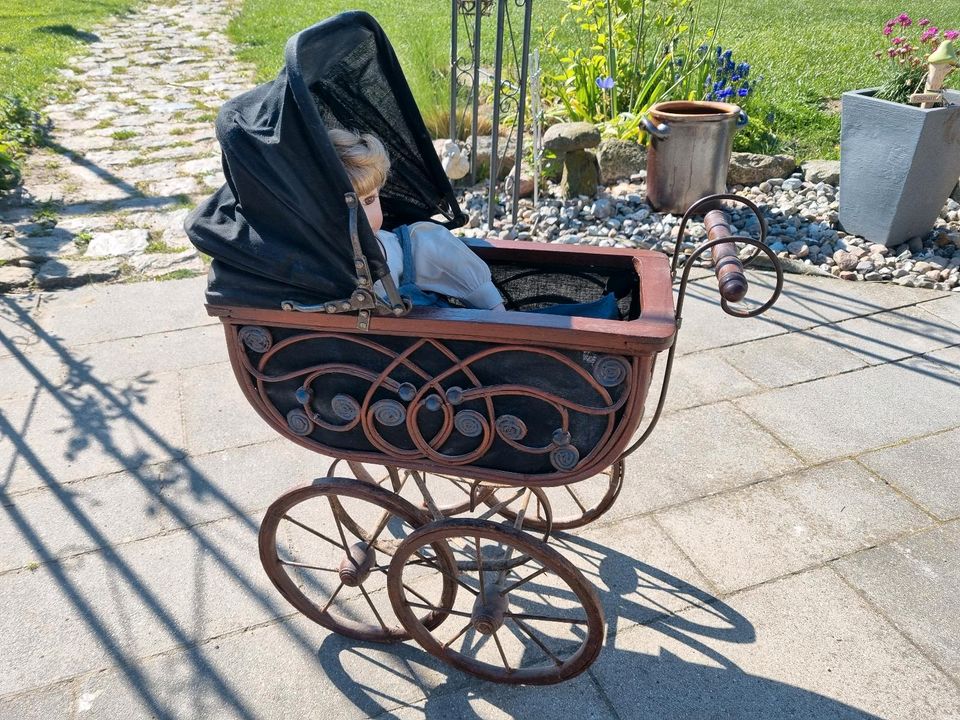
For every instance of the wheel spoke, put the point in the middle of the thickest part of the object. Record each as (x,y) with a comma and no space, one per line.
(332,598)
(290,563)
(459,635)
(414,592)
(476,544)
(520,624)
(427,495)
(527,579)
(575,498)
(500,506)
(343,536)
(373,607)
(315,532)
(447,575)
(503,655)
(420,606)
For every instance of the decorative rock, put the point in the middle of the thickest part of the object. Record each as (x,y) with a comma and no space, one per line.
(72,273)
(798,248)
(13,277)
(825,171)
(154,265)
(844,260)
(750,168)
(581,174)
(505,153)
(620,159)
(117,243)
(526,186)
(848,275)
(566,137)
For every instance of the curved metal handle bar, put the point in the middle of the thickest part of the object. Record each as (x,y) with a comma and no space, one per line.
(661,131)
(681,293)
(710,200)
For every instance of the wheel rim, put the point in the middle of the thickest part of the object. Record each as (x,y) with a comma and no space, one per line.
(327,546)
(450,493)
(573,505)
(539,623)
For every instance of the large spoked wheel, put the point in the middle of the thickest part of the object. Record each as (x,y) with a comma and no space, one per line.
(327,547)
(538,622)
(571,506)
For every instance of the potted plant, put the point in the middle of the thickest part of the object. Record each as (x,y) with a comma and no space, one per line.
(900,143)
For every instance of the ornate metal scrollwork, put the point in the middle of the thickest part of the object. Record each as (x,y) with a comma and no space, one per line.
(345,407)
(389,413)
(256,338)
(565,457)
(511,427)
(470,423)
(611,370)
(299,422)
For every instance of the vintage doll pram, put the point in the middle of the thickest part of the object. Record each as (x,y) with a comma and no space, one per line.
(463,438)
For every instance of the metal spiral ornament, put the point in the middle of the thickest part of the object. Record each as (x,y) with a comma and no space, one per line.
(469,423)
(611,370)
(345,407)
(511,427)
(256,338)
(389,412)
(565,457)
(299,422)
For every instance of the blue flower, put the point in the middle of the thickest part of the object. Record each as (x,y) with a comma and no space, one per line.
(743,69)
(679,62)
(702,49)
(743,92)
(719,51)
(718,86)
(605,83)
(728,54)
(735,78)
(708,82)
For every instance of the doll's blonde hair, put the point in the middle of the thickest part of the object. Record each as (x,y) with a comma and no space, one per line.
(363,157)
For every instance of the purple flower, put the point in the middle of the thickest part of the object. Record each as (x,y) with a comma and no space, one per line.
(605,83)
(898,40)
(929,33)
(951,34)
(923,22)
(904,20)
(888,29)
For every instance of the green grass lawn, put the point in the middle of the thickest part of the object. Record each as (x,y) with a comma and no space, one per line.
(37,37)
(808,51)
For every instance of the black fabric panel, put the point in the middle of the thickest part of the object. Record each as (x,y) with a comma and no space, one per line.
(281,216)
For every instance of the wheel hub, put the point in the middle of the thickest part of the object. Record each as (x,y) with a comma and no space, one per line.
(489,609)
(356,564)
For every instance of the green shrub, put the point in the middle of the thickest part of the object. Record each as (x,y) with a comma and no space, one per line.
(19,129)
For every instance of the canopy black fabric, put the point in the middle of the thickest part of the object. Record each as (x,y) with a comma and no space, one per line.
(279,227)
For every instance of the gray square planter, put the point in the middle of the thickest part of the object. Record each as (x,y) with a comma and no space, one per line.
(898,164)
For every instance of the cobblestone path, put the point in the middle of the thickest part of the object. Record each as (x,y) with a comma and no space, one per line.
(132,149)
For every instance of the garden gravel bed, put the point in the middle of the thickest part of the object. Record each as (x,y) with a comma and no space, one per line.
(801,217)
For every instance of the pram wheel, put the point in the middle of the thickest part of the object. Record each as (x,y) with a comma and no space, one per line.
(571,506)
(327,547)
(449,493)
(536,622)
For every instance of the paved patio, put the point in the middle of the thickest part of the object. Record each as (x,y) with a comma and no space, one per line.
(786,544)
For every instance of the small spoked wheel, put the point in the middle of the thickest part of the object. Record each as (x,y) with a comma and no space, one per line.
(535,622)
(571,506)
(449,495)
(327,548)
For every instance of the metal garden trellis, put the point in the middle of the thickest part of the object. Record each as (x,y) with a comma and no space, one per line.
(509,98)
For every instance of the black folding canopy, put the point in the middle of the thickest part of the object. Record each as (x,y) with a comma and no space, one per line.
(279,228)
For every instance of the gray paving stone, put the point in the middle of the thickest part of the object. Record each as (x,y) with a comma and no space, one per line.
(747,536)
(947,308)
(891,335)
(57,274)
(915,583)
(52,523)
(926,470)
(89,429)
(136,600)
(277,671)
(639,573)
(789,359)
(852,413)
(110,312)
(697,452)
(949,358)
(56,702)
(238,480)
(216,414)
(23,376)
(805,646)
(805,303)
(698,379)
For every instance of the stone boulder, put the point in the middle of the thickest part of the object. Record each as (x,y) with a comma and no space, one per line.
(619,159)
(581,174)
(753,169)
(13,277)
(826,171)
(118,242)
(73,273)
(567,137)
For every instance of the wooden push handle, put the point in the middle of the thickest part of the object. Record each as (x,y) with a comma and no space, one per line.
(727,266)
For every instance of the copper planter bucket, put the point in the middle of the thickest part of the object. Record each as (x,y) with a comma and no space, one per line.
(690,147)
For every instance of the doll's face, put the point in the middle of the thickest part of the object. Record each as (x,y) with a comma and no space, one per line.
(373,211)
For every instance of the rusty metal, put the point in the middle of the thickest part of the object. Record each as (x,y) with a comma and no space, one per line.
(535,661)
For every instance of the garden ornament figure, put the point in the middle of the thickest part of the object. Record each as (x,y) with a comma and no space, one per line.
(942,62)
(454,159)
